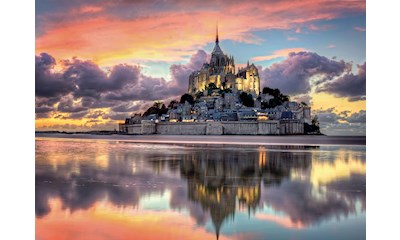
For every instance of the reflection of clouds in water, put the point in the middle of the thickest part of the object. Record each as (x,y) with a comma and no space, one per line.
(308,205)
(206,182)
(326,172)
(104,220)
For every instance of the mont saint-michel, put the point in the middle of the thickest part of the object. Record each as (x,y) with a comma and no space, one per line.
(224,101)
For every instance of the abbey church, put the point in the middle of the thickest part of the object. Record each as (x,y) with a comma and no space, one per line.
(221,71)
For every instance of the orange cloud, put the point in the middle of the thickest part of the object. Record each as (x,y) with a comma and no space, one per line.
(276,54)
(173,35)
(90,9)
(104,221)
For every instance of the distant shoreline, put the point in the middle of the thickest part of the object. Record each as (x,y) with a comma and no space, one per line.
(303,140)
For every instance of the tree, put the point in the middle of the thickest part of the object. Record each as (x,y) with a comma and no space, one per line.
(246,99)
(163,110)
(284,98)
(315,121)
(267,90)
(314,127)
(274,102)
(158,108)
(278,99)
(199,95)
(158,104)
(211,86)
(151,110)
(172,104)
(187,97)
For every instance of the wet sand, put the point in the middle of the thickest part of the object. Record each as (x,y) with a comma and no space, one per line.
(305,140)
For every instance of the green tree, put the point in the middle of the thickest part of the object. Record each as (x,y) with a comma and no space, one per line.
(315,121)
(172,104)
(187,97)
(274,102)
(158,108)
(278,99)
(211,86)
(246,99)
(163,110)
(199,95)
(267,90)
(151,110)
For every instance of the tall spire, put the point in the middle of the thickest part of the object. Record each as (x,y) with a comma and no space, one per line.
(216,40)
(217,50)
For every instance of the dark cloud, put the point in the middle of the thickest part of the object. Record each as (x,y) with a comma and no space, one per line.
(306,98)
(60,116)
(78,115)
(44,109)
(180,72)
(118,116)
(67,105)
(349,85)
(359,117)
(330,116)
(42,115)
(343,129)
(83,85)
(47,83)
(344,113)
(96,114)
(91,80)
(128,107)
(147,88)
(293,75)
(327,116)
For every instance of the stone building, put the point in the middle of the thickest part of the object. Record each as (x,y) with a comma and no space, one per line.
(221,71)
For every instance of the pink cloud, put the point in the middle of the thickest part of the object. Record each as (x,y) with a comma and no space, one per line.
(113,36)
(292,39)
(279,53)
(360,29)
(281,220)
(314,27)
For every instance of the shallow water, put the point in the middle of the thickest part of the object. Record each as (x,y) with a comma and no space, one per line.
(111,189)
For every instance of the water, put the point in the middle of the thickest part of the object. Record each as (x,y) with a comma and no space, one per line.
(112,189)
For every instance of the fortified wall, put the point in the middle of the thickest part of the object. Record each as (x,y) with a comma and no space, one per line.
(270,127)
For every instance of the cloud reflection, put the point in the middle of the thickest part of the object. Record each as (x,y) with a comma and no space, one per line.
(210,183)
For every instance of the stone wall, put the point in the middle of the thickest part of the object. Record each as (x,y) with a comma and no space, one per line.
(182,128)
(240,128)
(134,128)
(270,127)
(149,128)
(291,127)
(214,128)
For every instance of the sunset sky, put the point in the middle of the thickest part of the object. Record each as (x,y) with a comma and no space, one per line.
(98,62)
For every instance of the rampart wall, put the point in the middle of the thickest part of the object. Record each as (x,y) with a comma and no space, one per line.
(270,127)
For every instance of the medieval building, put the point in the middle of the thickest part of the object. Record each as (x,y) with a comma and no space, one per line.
(221,71)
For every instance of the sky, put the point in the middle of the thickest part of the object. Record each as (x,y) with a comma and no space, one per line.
(98,62)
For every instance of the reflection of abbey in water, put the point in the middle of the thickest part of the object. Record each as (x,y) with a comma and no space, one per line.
(219,180)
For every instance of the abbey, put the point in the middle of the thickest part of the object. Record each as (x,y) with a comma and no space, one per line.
(221,71)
